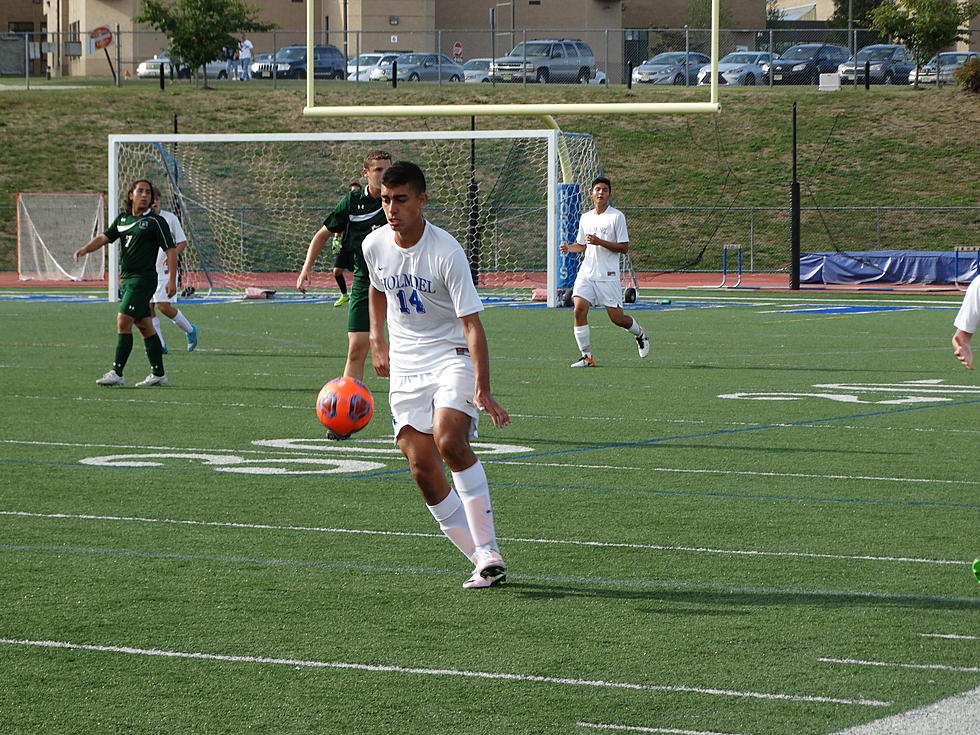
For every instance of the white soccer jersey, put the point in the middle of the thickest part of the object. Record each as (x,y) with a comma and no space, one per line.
(969,317)
(178,232)
(598,262)
(428,288)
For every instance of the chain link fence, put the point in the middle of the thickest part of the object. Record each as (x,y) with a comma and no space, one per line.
(614,52)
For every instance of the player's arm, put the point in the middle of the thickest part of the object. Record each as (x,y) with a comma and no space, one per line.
(316,245)
(616,247)
(99,241)
(476,340)
(963,349)
(378,309)
(171,270)
(571,247)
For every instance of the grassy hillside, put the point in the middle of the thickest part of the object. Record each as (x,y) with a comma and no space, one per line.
(886,146)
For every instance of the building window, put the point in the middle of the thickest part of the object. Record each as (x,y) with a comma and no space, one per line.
(75,31)
(392,20)
(534,2)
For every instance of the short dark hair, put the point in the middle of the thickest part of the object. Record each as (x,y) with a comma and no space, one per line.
(375,155)
(600,180)
(404,173)
(354,185)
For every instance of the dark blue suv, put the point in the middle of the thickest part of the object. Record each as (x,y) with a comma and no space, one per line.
(290,63)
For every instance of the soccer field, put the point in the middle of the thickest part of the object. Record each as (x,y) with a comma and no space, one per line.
(765,527)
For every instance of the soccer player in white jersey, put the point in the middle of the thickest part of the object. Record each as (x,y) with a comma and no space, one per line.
(966,323)
(437,362)
(602,236)
(160,299)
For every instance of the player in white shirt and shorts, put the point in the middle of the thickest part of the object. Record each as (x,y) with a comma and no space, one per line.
(160,299)
(602,236)
(438,364)
(966,323)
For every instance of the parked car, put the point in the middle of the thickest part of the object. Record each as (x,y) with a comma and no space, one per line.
(150,69)
(476,70)
(599,78)
(670,67)
(259,59)
(564,60)
(290,63)
(805,62)
(360,68)
(739,68)
(890,64)
(422,67)
(945,64)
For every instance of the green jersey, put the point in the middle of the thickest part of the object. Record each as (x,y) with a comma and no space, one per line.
(356,214)
(143,237)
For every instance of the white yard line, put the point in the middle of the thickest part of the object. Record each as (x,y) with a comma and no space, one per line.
(638,728)
(952,636)
(439,536)
(394,669)
(901,665)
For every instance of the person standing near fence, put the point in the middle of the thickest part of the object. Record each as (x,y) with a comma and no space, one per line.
(143,233)
(245,59)
(161,300)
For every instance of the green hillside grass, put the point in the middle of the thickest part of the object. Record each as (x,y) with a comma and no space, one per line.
(887,146)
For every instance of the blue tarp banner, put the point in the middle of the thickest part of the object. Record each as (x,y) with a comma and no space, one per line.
(889,266)
(569,213)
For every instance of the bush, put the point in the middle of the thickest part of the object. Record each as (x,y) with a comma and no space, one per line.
(968,75)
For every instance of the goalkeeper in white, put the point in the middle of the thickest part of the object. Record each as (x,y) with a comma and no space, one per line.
(437,362)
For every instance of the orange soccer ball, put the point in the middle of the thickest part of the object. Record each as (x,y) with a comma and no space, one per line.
(344,405)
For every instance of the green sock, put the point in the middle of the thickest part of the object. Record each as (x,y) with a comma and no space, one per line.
(124,345)
(154,351)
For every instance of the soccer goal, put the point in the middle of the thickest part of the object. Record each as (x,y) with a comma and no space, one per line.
(50,228)
(250,203)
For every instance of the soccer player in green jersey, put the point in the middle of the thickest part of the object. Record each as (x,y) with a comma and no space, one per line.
(358,213)
(143,233)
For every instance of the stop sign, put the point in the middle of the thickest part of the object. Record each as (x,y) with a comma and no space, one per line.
(101,36)
(457,49)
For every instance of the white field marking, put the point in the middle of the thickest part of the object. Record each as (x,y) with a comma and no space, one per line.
(391,669)
(638,728)
(235,464)
(952,636)
(396,454)
(565,542)
(899,665)
(384,445)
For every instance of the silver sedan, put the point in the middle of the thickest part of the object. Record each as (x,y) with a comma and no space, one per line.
(423,67)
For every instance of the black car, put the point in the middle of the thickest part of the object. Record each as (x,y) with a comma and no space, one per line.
(887,63)
(805,62)
(290,63)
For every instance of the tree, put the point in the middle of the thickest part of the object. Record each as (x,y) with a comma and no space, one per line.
(924,26)
(200,30)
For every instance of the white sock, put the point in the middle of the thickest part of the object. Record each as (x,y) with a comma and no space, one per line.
(156,326)
(471,484)
(635,329)
(452,520)
(181,321)
(583,339)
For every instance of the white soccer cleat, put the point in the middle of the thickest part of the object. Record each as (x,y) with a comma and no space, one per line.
(643,344)
(585,361)
(111,378)
(152,380)
(476,582)
(489,564)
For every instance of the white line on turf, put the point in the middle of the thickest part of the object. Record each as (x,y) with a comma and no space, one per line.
(377,668)
(565,542)
(900,665)
(395,455)
(952,636)
(639,728)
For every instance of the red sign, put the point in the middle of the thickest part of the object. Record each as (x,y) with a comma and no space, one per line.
(102,36)
(457,49)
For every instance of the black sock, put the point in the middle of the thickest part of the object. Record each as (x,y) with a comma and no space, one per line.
(124,345)
(341,283)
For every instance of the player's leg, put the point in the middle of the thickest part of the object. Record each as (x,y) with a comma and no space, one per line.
(182,323)
(358,328)
(140,311)
(344,261)
(614,308)
(454,424)
(581,302)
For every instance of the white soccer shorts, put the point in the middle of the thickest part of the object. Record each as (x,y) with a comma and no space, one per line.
(599,293)
(160,295)
(415,397)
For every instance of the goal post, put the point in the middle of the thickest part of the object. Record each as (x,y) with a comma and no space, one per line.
(249,203)
(50,228)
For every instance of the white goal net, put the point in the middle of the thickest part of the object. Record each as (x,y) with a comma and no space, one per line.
(249,204)
(50,228)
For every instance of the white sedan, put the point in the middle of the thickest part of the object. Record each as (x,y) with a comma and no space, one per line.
(739,68)
(150,69)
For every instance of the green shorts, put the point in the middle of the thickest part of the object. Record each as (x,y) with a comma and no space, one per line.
(358,314)
(135,294)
